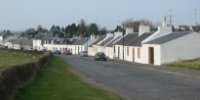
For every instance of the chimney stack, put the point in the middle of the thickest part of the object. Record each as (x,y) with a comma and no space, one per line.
(143,29)
(129,30)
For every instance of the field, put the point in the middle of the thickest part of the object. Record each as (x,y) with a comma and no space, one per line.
(8,58)
(57,82)
(190,64)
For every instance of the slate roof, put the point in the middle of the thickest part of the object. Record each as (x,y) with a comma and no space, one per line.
(106,41)
(113,41)
(138,41)
(97,41)
(168,37)
(21,41)
(127,38)
(47,37)
(81,41)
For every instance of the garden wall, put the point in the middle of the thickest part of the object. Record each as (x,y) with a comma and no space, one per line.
(13,77)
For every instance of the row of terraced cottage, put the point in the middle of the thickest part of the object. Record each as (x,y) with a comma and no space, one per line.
(146,47)
(159,47)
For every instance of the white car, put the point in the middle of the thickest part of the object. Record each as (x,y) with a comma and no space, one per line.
(84,54)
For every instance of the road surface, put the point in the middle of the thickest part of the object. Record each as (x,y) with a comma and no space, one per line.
(135,83)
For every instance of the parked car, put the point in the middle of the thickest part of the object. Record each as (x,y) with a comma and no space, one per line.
(84,54)
(67,53)
(100,56)
(57,52)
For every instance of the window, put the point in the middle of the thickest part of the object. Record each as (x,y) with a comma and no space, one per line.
(138,52)
(127,51)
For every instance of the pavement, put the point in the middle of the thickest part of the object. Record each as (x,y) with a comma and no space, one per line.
(137,81)
(164,69)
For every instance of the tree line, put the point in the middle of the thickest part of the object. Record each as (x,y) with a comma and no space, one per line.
(83,29)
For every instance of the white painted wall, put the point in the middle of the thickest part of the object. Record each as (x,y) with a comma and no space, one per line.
(129,57)
(119,54)
(53,47)
(1,40)
(184,48)
(109,52)
(143,29)
(145,54)
(9,44)
(129,30)
(92,50)
(37,44)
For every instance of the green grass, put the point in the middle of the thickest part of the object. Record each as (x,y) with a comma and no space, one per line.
(190,64)
(57,82)
(9,58)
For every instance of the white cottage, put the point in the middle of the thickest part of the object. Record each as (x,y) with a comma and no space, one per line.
(133,48)
(172,47)
(109,46)
(50,43)
(93,48)
(125,50)
(102,43)
(82,44)
(37,44)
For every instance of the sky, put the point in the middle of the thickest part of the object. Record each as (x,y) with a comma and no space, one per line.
(18,15)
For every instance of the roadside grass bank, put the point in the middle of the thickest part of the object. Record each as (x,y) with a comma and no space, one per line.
(10,58)
(190,64)
(58,82)
(12,77)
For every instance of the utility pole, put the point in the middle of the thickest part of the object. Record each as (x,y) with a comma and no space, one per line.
(123,33)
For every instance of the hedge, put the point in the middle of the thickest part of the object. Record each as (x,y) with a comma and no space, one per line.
(13,77)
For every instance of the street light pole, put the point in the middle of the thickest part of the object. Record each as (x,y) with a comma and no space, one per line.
(123,39)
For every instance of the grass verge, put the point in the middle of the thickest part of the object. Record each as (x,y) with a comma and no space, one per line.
(9,58)
(190,64)
(57,82)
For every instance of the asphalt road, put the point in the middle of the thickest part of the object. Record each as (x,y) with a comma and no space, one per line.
(135,83)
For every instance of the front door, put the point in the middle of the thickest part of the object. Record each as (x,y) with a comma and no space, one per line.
(151,55)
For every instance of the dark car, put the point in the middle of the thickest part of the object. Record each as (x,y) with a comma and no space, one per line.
(100,56)
(57,52)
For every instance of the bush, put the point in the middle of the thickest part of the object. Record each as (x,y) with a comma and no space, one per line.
(15,76)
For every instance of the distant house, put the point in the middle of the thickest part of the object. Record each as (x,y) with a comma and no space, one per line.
(3,35)
(109,46)
(82,44)
(103,42)
(93,49)
(50,43)
(110,51)
(20,43)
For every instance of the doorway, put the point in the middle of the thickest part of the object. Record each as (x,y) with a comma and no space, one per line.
(151,55)
(133,55)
